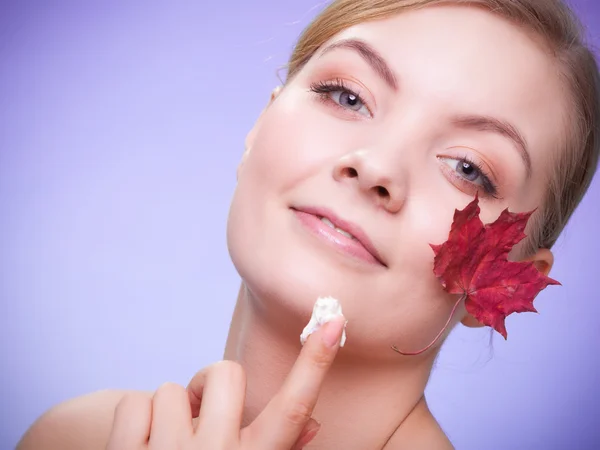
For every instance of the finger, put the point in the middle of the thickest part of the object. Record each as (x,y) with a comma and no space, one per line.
(222,391)
(281,422)
(171,417)
(195,388)
(131,425)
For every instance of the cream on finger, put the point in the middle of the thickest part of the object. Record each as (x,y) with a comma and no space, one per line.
(325,310)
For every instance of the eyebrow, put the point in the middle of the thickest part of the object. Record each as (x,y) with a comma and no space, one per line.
(501,127)
(370,55)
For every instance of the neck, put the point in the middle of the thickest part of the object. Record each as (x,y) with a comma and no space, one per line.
(350,394)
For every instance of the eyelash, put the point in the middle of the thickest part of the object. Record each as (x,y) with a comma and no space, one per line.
(324,88)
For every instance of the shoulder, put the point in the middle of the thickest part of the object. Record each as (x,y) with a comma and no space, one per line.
(419,431)
(83,422)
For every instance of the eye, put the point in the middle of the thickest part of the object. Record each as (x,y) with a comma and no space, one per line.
(348,99)
(468,170)
(472,173)
(342,96)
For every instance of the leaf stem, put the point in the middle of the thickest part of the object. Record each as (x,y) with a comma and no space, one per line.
(396,349)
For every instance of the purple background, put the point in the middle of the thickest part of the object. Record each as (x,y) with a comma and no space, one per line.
(121,126)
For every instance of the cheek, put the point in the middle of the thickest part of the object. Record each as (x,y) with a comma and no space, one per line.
(293,145)
(272,166)
(286,152)
(289,146)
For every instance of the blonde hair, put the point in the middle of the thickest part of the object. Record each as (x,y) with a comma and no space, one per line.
(554,22)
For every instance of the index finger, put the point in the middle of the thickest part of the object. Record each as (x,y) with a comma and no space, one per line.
(283,419)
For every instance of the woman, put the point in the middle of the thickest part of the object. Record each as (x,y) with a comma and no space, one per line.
(394,114)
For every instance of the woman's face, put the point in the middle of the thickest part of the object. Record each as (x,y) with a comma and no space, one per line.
(387,130)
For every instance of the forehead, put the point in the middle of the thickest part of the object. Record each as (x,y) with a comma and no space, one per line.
(471,61)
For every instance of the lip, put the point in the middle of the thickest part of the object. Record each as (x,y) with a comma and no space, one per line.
(361,247)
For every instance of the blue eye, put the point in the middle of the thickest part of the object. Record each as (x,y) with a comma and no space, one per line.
(341,95)
(468,170)
(471,173)
(348,99)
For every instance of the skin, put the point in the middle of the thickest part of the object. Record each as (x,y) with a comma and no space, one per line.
(388,165)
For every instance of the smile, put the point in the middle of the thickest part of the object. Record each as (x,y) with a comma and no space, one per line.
(330,224)
(345,237)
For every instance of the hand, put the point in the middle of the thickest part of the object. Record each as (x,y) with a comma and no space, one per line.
(216,397)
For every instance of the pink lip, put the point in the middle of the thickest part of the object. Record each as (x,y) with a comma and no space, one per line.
(361,247)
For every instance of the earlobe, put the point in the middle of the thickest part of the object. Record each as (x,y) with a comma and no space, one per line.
(471,322)
(275,93)
(543,261)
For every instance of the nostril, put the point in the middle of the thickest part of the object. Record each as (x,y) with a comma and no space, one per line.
(350,172)
(382,192)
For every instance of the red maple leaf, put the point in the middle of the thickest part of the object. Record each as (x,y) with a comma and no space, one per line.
(474,263)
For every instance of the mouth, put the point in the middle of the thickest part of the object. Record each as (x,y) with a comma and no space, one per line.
(345,236)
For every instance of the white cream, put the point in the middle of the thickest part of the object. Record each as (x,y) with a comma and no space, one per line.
(325,310)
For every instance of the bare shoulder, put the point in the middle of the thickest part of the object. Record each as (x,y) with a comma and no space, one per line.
(83,422)
(420,431)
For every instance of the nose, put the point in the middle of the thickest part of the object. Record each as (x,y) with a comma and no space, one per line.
(372,178)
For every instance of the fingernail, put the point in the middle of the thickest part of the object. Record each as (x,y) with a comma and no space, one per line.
(332,331)
(309,434)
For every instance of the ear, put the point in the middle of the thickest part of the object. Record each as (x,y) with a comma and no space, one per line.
(543,260)
(249,142)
